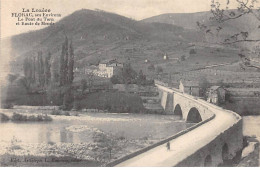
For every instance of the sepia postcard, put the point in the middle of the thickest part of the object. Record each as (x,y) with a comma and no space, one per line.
(130,83)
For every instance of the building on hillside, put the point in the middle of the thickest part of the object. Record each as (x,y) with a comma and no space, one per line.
(216,95)
(189,87)
(108,68)
(255,62)
(165,57)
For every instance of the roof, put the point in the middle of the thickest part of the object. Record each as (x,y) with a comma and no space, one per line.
(92,67)
(189,83)
(109,61)
(105,61)
(215,87)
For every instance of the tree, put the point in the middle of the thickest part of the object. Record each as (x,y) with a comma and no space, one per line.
(203,85)
(55,72)
(40,70)
(34,69)
(151,67)
(115,79)
(222,14)
(12,78)
(71,64)
(141,78)
(66,60)
(244,35)
(183,58)
(27,68)
(192,51)
(47,70)
(83,85)
(66,63)
(159,69)
(62,65)
(128,74)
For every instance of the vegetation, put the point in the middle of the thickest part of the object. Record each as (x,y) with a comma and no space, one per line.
(20,117)
(183,58)
(192,51)
(110,101)
(244,37)
(38,87)
(222,14)
(151,67)
(129,76)
(66,63)
(203,85)
(3,117)
(59,112)
(159,69)
(83,85)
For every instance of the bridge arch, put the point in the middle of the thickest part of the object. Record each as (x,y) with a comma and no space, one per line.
(194,115)
(225,153)
(178,111)
(208,161)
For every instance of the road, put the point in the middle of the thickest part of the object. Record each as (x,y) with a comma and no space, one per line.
(184,145)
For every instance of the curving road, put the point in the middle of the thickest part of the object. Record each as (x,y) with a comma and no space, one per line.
(187,144)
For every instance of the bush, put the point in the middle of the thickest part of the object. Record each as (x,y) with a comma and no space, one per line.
(115,79)
(151,67)
(192,51)
(20,117)
(183,58)
(54,95)
(76,106)
(32,118)
(66,114)
(111,101)
(56,112)
(59,112)
(7,105)
(3,117)
(159,69)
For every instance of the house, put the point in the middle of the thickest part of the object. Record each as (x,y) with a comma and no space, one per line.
(108,68)
(216,95)
(189,87)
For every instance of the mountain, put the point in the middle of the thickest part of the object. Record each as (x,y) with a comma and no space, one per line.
(99,35)
(247,22)
(188,20)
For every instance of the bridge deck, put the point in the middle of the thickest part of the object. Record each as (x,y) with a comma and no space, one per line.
(184,145)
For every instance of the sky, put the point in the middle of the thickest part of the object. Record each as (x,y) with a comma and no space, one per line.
(136,9)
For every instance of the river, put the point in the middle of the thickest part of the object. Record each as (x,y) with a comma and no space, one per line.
(80,129)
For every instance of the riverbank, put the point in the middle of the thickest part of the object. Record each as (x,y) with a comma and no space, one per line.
(251,126)
(92,139)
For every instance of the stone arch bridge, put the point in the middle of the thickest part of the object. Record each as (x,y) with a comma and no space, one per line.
(214,140)
(183,105)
